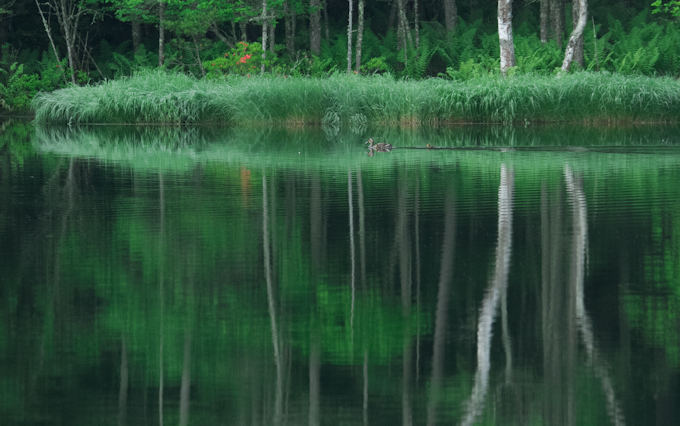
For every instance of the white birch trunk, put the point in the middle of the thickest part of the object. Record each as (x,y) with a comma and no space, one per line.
(349,39)
(264,34)
(576,34)
(360,35)
(505,35)
(161,33)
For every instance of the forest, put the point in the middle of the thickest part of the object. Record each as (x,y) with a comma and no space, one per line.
(61,43)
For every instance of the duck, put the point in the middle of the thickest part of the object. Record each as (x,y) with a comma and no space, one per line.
(380,146)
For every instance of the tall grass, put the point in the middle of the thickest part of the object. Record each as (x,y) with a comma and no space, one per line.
(160,97)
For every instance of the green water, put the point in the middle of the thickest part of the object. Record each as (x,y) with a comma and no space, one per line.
(166,275)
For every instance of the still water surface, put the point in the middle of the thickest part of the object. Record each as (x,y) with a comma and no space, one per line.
(157,276)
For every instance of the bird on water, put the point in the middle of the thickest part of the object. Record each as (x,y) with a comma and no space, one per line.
(380,146)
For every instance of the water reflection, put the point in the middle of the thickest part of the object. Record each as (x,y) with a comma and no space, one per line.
(495,292)
(232,282)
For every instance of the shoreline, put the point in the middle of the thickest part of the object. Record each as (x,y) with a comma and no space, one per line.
(159,98)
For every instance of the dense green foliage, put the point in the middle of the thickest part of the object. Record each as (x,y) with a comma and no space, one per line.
(160,97)
(624,39)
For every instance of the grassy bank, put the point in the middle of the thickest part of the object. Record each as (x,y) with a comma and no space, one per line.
(159,97)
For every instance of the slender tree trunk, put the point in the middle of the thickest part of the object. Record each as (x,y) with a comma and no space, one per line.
(68,15)
(315,27)
(349,38)
(404,23)
(360,35)
(161,33)
(243,26)
(136,34)
(576,38)
(49,35)
(557,20)
(290,37)
(3,36)
(198,57)
(416,25)
(450,15)
(264,34)
(545,21)
(325,18)
(272,35)
(393,14)
(505,35)
(575,17)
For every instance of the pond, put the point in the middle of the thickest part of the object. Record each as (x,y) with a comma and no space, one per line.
(282,276)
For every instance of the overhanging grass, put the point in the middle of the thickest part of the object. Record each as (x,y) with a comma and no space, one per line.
(160,97)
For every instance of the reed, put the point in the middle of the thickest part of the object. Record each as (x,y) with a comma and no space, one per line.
(161,97)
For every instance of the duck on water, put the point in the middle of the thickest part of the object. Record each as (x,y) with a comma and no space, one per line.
(379,147)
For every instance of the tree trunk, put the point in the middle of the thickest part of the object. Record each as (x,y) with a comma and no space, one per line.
(264,34)
(416,23)
(360,34)
(244,30)
(576,36)
(450,15)
(49,35)
(315,27)
(290,37)
(393,13)
(161,33)
(136,34)
(198,57)
(325,18)
(272,35)
(349,38)
(557,20)
(545,21)
(216,30)
(68,15)
(505,35)
(404,26)
(575,17)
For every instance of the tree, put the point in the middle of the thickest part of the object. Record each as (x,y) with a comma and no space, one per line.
(575,17)
(349,39)
(68,13)
(315,26)
(450,14)
(545,20)
(576,35)
(360,35)
(505,35)
(557,20)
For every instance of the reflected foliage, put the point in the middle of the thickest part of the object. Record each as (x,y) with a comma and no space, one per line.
(143,262)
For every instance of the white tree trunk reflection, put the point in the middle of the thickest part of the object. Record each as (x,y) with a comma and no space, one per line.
(278,401)
(475,404)
(578,260)
(441,316)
